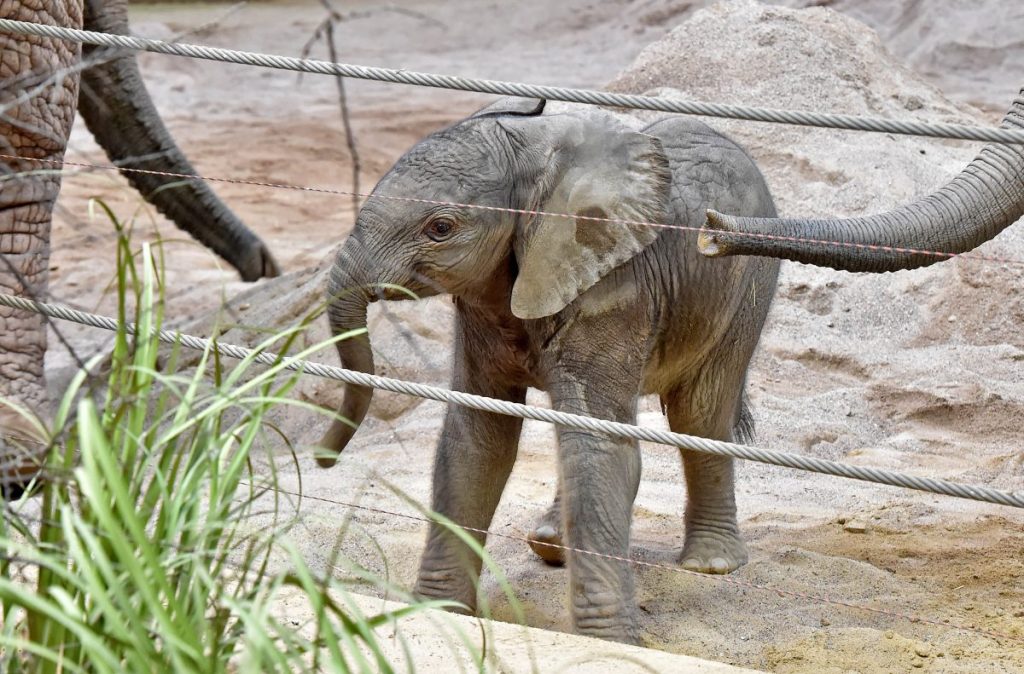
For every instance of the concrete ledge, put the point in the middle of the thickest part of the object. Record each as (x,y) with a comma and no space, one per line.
(436,641)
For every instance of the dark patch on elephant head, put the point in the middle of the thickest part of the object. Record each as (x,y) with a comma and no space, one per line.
(592,233)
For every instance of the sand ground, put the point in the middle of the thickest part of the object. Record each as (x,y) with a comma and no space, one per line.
(916,371)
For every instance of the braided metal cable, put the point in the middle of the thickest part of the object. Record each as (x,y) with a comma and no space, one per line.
(564,419)
(587,96)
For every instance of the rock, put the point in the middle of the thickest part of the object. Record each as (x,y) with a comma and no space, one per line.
(855,527)
(923,650)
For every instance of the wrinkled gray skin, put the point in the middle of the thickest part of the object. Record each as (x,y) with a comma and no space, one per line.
(121,115)
(595,313)
(981,201)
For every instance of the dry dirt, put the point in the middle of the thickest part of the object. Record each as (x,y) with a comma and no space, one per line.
(916,371)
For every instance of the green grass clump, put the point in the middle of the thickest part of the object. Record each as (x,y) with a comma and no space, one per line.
(137,557)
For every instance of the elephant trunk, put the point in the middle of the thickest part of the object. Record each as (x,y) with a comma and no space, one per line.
(120,114)
(349,296)
(985,198)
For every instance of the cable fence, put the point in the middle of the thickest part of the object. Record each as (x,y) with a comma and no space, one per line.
(564,419)
(979,257)
(980,493)
(520,89)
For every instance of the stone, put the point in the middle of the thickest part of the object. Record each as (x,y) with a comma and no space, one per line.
(855,527)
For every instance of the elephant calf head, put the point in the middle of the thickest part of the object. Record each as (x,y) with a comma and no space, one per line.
(525,176)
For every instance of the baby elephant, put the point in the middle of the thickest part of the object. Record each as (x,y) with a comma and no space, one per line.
(594,307)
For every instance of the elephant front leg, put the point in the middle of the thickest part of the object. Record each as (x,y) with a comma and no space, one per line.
(24,259)
(24,264)
(473,462)
(599,480)
(38,94)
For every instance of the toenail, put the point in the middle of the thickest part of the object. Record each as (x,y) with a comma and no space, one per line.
(545,532)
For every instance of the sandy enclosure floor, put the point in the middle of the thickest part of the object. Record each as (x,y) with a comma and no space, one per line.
(919,372)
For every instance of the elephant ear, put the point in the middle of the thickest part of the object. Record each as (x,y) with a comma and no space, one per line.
(512,106)
(599,173)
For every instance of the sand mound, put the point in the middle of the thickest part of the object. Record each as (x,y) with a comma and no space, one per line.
(974,50)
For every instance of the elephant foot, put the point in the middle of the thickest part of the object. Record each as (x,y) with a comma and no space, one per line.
(608,622)
(450,584)
(17,481)
(712,550)
(22,455)
(542,539)
(625,635)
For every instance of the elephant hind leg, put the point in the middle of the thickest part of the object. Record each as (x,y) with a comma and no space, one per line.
(548,533)
(713,543)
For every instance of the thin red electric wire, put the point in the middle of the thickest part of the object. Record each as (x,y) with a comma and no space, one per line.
(520,211)
(675,569)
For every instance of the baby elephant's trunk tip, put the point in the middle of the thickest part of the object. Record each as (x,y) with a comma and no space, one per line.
(333,443)
(326,461)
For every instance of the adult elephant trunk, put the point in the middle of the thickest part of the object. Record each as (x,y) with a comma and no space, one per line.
(120,114)
(349,292)
(985,198)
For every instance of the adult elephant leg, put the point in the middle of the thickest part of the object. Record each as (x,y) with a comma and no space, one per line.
(599,477)
(472,464)
(39,95)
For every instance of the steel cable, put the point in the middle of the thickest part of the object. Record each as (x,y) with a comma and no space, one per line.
(563,419)
(586,96)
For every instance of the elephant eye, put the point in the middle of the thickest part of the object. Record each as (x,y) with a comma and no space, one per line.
(440,229)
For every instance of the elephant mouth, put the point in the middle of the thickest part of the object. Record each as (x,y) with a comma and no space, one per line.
(416,285)
(391,293)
